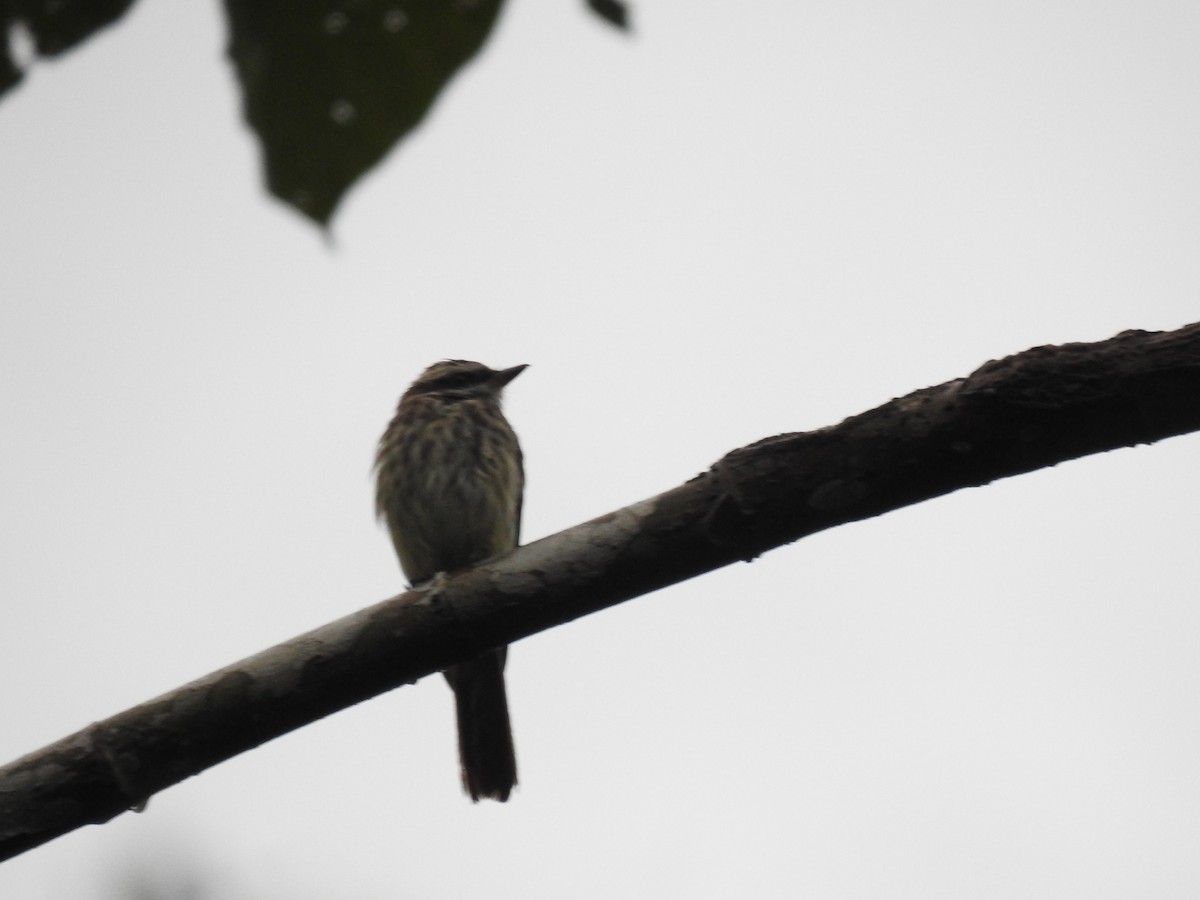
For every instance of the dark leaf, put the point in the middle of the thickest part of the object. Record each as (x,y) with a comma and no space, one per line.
(10,75)
(53,26)
(615,12)
(331,86)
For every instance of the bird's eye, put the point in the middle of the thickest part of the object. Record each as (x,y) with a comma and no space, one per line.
(457,380)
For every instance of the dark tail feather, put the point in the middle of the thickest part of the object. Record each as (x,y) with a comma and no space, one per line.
(485,744)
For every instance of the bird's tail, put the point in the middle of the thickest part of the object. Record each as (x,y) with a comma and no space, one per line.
(485,743)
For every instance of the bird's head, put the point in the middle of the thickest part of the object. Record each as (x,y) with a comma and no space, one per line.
(461,379)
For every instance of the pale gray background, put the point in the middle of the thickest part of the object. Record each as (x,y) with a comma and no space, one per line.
(747,219)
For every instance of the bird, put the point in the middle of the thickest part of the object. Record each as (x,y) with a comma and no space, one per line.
(449,486)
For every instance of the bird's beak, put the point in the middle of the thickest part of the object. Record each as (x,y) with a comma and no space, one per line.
(504,376)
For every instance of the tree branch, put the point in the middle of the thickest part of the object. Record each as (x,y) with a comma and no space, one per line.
(1038,408)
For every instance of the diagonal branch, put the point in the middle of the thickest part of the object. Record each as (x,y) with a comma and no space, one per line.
(1028,411)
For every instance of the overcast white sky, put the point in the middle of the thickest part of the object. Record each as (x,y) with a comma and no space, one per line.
(744,220)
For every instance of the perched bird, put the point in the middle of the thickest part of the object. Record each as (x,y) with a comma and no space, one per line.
(449,486)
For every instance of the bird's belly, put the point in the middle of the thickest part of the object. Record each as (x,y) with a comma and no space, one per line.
(461,520)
